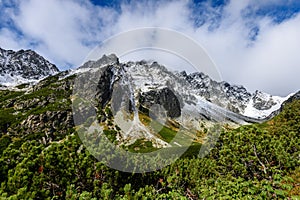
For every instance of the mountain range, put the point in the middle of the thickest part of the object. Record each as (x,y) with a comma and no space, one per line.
(27,66)
(251,141)
(142,91)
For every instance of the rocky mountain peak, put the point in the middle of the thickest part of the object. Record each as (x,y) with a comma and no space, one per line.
(262,100)
(104,60)
(149,78)
(23,66)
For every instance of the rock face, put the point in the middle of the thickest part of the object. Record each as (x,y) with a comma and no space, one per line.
(294,97)
(42,111)
(105,86)
(262,102)
(152,81)
(49,121)
(104,60)
(23,66)
(137,100)
(164,97)
(231,97)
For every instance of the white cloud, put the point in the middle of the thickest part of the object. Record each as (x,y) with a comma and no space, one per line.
(62,30)
(8,39)
(274,61)
(270,63)
(55,24)
(65,31)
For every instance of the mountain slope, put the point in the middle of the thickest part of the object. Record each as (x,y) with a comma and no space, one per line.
(146,75)
(27,66)
(148,95)
(43,158)
(192,101)
(23,66)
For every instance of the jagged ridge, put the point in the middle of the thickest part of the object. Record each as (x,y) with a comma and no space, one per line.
(23,66)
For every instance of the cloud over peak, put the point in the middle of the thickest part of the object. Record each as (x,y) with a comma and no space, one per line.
(249,42)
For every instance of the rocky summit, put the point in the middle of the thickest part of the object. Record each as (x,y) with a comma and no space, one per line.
(190,88)
(23,66)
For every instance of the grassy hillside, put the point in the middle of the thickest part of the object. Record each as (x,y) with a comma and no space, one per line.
(43,158)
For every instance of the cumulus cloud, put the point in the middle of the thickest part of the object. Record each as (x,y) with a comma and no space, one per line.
(273,61)
(63,31)
(268,63)
(248,49)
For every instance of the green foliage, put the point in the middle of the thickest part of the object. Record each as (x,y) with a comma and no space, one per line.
(111,135)
(6,119)
(5,140)
(259,161)
(141,146)
(6,95)
(166,133)
(108,112)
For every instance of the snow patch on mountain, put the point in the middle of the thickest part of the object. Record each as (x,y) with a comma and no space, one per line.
(195,91)
(24,66)
(262,105)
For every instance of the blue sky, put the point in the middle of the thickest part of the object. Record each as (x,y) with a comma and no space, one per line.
(253,43)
